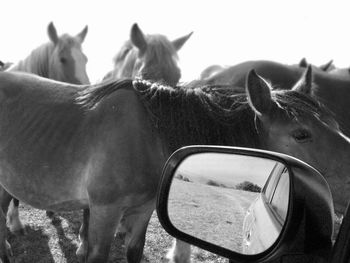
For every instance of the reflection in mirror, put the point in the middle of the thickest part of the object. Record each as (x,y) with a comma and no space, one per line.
(234,201)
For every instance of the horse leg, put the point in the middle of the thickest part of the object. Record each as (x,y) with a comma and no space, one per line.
(83,236)
(13,222)
(179,253)
(121,229)
(135,223)
(5,248)
(102,225)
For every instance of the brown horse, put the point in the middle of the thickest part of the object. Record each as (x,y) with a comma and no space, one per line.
(102,147)
(341,72)
(212,70)
(325,67)
(151,57)
(331,89)
(4,65)
(59,59)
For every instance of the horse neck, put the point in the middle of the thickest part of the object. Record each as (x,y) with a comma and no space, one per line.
(188,117)
(37,62)
(334,93)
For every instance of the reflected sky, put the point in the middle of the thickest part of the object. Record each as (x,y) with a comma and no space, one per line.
(228,169)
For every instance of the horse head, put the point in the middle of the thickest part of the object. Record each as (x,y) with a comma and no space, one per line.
(294,123)
(5,65)
(327,67)
(67,62)
(151,57)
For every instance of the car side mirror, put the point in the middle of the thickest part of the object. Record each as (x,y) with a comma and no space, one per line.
(243,203)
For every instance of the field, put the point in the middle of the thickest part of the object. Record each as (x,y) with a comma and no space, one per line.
(211,213)
(55,240)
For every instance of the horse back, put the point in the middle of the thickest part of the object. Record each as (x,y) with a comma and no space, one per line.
(62,151)
(333,91)
(41,135)
(279,74)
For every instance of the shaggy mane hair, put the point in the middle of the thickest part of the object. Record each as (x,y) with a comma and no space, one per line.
(209,115)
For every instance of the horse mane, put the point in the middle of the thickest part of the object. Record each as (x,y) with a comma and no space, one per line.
(159,48)
(219,115)
(90,96)
(123,52)
(188,115)
(199,115)
(37,62)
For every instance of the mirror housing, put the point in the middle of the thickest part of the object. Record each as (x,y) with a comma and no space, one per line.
(308,227)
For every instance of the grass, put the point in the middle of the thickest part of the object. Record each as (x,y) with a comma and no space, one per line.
(209,212)
(55,240)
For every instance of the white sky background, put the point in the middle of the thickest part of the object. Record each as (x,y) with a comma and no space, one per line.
(225,32)
(229,169)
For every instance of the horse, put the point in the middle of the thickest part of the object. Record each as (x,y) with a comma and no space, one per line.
(103,146)
(341,72)
(330,68)
(151,57)
(60,59)
(4,65)
(327,67)
(212,70)
(331,89)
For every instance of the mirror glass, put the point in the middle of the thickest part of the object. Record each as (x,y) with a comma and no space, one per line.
(234,201)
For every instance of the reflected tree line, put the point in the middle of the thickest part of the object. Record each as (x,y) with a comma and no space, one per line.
(244,186)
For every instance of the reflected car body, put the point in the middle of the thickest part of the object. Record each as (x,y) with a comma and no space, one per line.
(265,217)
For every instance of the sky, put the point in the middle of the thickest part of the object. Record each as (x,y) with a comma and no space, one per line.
(225,32)
(228,169)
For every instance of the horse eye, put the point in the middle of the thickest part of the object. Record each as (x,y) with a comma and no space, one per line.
(302,135)
(63,60)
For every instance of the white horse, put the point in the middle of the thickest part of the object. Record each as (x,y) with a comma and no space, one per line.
(60,59)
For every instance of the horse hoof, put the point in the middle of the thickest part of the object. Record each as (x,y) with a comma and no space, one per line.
(120,235)
(50,214)
(18,231)
(81,252)
(8,249)
(5,259)
(81,259)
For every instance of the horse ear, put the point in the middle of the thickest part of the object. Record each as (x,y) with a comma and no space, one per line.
(82,34)
(304,84)
(178,43)
(51,31)
(328,66)
(303,63)
(259,94)
(138,38)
